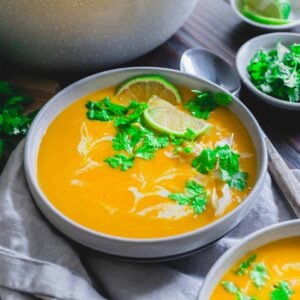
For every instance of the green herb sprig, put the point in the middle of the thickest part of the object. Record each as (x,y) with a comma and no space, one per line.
(259,275)
(245,265)
(14,122)
(132,138)
(195,196)
(282,291)
(226,161)
(205,102)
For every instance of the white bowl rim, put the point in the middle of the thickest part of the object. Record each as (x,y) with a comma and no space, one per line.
(30,174)
(261,25)
(248,240)
(276,101)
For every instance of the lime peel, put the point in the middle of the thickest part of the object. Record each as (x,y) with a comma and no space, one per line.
(164,117)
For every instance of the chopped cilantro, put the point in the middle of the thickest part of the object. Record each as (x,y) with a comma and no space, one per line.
(259,275)
(243,267)
(132,137)
(233,289)
(183,144)
(282,291)
(195,195)
(205,102)
(227,161)
(105,110)
(14,123)
(277,72)
(121,161)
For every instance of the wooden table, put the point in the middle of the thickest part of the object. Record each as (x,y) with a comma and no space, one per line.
(214,25)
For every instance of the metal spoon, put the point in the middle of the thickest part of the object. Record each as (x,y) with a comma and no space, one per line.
(207,65)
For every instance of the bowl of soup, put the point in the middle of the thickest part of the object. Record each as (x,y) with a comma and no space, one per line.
(132,179)
(264,265)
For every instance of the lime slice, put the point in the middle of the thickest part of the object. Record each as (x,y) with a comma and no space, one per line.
(253,15)
(142,88)
(277,9)
(165,117)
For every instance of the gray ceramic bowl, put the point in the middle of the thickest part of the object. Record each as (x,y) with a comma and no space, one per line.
(86,34)
(129,247)
(253,241)
(247,51)
(294,16)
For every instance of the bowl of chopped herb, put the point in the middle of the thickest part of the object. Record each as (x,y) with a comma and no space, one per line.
(269,66)
(151,163)
(265,265)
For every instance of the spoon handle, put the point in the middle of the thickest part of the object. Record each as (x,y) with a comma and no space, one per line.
(284,177)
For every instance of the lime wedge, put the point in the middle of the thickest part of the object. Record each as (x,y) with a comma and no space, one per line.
(142,88)
(277,9)
(255,16)
(165,117)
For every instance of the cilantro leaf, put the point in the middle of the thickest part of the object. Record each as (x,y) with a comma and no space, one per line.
(282,291)
(205,102)
(121,161)
(243,267)
(226,161)
(206,161)
(259,275)
(195,195)
(134,111)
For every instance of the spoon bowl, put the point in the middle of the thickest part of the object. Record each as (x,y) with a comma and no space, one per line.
(207,65)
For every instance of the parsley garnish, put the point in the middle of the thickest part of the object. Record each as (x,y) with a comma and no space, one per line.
(277,72)
(226,161)
(259,275)
(233,289)
(195,196)
(243,267)
(121,161)
(14,123)
(205,102)
(132,138)
(183,144)
(282,291)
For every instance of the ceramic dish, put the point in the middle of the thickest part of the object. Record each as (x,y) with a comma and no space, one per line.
(87,34)
(255,240)
(149,248)
(247,51)
(295,16)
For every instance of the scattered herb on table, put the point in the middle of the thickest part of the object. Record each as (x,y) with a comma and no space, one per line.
(259,275)
(226,161)
(245,265)
(205,102)
(14,123)
(282,291)
(277,72)
(195,196)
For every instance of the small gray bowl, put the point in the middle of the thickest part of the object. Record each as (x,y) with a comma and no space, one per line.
(248,50)
(294,17)
(252,242)
(141,249)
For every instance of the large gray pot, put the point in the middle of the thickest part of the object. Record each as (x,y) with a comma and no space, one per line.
(86,34)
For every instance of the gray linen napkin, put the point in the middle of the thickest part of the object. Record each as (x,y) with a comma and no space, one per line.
(36,261)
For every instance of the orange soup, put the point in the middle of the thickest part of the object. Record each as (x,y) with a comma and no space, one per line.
(74,175)
(271,272)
